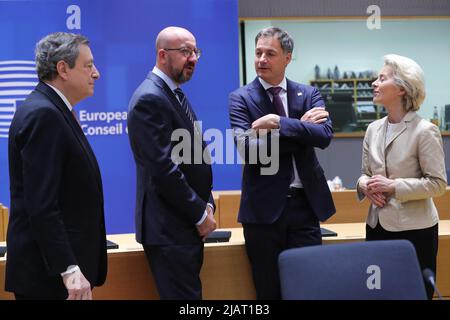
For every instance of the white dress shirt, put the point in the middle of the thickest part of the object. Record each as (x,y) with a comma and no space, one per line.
(296,183)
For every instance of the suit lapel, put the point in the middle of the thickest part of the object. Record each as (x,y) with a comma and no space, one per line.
(406,119)
(262,100)
(72,122)
(295,99)
(381,138)
(260,97)
(176,105)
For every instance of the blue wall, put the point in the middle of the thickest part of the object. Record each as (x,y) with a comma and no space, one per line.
(122,35)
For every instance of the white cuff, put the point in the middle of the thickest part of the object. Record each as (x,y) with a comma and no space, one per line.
(70,269)
(205,214)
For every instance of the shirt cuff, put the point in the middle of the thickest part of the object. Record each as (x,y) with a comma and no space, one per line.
(205,214)
(70,269)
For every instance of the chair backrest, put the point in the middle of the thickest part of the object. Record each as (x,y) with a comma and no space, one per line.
(352,271)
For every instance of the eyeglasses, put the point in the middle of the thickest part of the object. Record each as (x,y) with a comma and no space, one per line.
(187,52)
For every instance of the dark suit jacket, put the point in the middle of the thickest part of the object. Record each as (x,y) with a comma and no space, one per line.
(56,217)
(264,196)
(171,197)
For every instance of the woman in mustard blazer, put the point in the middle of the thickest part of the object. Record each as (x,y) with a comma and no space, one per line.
(403,165)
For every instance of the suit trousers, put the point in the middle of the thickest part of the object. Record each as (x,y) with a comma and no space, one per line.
(425,242)
(176,270)
(297,226)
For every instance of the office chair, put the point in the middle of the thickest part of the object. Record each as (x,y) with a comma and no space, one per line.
(374,270)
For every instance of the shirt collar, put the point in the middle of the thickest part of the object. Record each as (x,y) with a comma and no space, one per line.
(62,96)
(266,85)
(172,85)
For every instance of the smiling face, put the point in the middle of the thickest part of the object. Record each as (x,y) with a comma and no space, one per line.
(270,60)
(385,91)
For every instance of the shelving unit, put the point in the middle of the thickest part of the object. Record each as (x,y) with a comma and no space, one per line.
(361,96)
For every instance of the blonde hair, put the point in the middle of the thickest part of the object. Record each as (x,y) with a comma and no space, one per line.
(408,75)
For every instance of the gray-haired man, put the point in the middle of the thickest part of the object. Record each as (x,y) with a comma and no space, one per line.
(56,233)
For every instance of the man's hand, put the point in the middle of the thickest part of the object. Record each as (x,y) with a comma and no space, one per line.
(269,121)
(315,115)
(207,226)
(77,286)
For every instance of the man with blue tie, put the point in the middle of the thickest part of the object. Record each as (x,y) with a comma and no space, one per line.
(174,204)
(282,210)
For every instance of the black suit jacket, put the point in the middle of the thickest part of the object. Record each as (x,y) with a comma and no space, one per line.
(56,217)
(264,196)
(171,197)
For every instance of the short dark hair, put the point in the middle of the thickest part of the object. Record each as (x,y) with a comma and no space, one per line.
(56,47)
(286,41)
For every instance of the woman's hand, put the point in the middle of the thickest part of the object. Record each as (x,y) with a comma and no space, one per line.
(377,198)
(381,184)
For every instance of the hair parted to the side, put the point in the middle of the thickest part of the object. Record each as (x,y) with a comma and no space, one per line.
(56,47)
(408,75)
(286,41)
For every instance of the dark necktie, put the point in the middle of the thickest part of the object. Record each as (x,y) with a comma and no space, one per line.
(74,113)
(184,104)
(277,103)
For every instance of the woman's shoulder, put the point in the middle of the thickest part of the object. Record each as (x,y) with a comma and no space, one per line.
(376,124)
(424,125)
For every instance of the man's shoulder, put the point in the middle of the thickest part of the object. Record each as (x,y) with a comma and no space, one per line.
(300,86)
(149,91)
(245,89)
(36,102)
(148,87)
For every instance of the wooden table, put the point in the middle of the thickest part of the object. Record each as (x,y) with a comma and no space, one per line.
(226,272)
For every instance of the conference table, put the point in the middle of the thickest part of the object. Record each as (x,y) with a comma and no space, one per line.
(226,272)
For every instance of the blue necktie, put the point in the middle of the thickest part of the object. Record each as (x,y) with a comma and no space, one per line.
(277,103)
(185,105)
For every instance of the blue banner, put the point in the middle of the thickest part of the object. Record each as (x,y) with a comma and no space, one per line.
(122,35)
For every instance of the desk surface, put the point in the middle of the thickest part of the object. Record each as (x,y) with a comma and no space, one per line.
(345,231)
(226,272)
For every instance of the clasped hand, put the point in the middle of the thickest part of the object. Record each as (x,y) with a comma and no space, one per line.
(378,188)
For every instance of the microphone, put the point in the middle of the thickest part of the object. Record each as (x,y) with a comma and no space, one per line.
(429,278)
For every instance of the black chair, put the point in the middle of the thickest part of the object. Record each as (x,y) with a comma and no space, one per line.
(374,270)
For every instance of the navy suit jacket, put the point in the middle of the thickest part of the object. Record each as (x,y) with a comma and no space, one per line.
(171,197)
(56,217)
(264,196)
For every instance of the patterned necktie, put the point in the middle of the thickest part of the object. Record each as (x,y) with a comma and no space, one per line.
(277,103)
(184,104)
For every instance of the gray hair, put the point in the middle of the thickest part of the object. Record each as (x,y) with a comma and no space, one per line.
(56,47)
(286,41)
(408,75)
